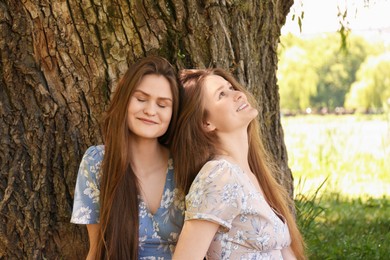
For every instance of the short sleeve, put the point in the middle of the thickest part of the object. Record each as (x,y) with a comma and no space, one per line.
(86,196)
(215,195)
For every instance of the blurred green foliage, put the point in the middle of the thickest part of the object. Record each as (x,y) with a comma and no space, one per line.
(314,72)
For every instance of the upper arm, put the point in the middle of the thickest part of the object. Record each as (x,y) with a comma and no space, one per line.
(93,235)
(215,195)
(86,197)
(195,239)
(288,254)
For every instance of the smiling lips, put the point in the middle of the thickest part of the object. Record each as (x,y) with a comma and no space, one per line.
(147,121)
(243,106)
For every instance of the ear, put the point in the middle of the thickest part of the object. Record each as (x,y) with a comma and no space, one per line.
(208,127)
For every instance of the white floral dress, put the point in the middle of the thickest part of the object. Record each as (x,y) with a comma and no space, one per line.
(249,227)
(158,233)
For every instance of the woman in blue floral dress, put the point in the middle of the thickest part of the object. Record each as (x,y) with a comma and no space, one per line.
(235,209)
(125,191)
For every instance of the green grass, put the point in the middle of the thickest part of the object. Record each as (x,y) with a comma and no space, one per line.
(342,184)
(336,227)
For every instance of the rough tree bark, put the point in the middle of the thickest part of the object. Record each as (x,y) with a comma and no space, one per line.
(59,63)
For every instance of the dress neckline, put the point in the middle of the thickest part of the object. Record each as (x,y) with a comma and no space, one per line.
(162,195)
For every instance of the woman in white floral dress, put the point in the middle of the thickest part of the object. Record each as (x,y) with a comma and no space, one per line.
(125,191)
(235,209)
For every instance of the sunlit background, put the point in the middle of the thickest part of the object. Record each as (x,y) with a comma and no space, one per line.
(358,144)
(368,18)
(335,105)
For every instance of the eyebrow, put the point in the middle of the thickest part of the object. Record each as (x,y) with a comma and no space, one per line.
(218,89)
(146,94)
(221,87)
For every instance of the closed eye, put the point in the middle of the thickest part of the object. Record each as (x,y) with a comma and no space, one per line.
(163,103)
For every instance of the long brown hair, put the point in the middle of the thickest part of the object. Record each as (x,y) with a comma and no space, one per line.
(192,147)
(119,220)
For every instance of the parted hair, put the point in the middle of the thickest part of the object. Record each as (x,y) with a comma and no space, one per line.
(193,146)
(119,222)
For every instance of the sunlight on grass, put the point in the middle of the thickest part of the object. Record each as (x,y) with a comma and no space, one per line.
(351,151)
(342,184)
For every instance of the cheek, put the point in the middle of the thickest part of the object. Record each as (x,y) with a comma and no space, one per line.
(130,108)
(129,115)
(168,115)
(216,112)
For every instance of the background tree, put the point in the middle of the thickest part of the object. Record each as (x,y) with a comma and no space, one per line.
(371,91)
(314,72)
(59,64)
(336,68)
(297,80)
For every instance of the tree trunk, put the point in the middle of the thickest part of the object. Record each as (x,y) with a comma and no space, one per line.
(60,61)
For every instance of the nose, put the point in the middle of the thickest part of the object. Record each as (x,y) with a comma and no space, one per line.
(238,95)
(149,109)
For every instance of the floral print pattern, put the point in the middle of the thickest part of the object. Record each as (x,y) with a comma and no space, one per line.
(249,227)
(158,233)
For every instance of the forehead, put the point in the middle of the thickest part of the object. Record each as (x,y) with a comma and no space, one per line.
(214,82)
(155,85)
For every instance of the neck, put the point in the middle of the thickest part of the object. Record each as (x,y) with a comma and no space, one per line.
(146,154)
(234,146)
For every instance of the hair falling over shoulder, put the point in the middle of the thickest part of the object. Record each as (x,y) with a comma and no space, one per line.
(118,238)
(192,147)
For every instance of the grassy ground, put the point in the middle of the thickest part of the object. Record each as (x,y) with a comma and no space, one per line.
(341,167)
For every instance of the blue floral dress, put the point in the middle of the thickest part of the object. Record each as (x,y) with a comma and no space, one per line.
(158,233)
(249,228)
